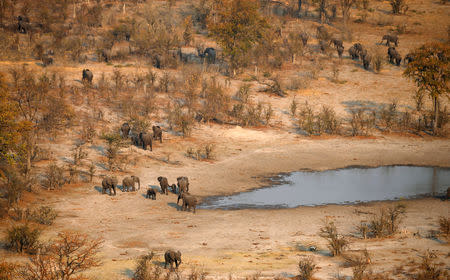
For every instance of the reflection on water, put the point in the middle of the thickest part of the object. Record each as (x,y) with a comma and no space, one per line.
(340,186)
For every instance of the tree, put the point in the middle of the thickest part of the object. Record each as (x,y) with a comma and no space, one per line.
(346,5)
(430,70)
(71,254)
(237,27)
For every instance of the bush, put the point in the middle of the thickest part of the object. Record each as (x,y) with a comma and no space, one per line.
(398,6)
(387,222)
(306,268)
(8,271)
(70,254)
(444,226)
(336,242)
(22,238)
(54,177)
(145,270)
(429,270)
(45,215)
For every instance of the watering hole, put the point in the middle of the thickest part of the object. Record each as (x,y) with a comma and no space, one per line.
(341,186)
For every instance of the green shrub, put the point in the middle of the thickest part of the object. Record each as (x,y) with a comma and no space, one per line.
(22,238)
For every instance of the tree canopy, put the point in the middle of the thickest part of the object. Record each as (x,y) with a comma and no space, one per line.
(430,70)
(237,26)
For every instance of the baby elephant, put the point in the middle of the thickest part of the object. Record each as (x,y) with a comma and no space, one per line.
(171,257)
(164,185)
(151,194)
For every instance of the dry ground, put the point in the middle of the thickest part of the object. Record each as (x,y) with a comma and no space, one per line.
(243,242)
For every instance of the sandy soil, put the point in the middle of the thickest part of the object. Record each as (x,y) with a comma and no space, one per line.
(243,242)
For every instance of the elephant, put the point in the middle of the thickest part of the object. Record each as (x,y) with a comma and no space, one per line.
(366,61)
(390,39)
(23,24)
(87,76)
(135,139)
(322,33)
(46,60)
(340,50)
(304,37)
(409,58)
(323,45)
(146,140)
(181,196)
(151,194)
(174,188)
(171,257)
(125,129)
(353,52)
(183,184)
(210,55)
(109,183)
(164,185)
(129,182)
(337,43)
(188,201)
(157,133)
(394,56)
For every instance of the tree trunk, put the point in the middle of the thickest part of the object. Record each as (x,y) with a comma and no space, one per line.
(436,114)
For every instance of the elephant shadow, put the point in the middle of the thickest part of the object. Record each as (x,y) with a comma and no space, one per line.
(159,263)
(98,188)
(174,205)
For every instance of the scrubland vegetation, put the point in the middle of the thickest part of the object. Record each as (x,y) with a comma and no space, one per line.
(196,70)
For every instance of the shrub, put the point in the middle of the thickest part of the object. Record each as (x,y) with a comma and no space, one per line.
(336,242)
(362,121)
(293,107)
(429,270)
(22,238)
(378,60)
(8,271)
(398,6)
(388,114)
(243,93)
(444,226)
(359,264)
(45,215)
(306,268)
(54,177)
(197,273)
(146,270)
(70,254)
(386,223)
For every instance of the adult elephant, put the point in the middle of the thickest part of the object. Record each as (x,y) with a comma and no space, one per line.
(171,257)
(109,183)
(366,61)
(146,140)
(130,182)
(164,184)
(87,76)
(340,50)
(157,133)
(210,55)
(390,39)
(183,184)
(337,42)
(188,201)
(394,56)
(353,52)
(125,129)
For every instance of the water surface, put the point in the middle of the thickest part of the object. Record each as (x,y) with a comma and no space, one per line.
(342,186)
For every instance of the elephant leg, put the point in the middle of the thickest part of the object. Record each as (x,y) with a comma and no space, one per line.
(114,189)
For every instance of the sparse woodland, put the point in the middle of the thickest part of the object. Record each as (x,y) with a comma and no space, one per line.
(223,92)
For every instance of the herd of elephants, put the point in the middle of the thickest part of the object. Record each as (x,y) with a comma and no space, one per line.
(188,201)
